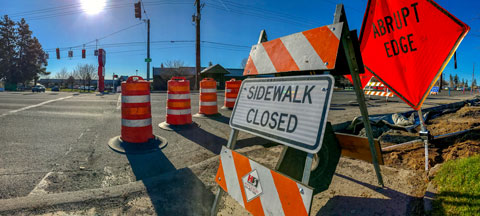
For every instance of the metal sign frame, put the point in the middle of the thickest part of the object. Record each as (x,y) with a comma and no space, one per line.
(350,45)
(290,142)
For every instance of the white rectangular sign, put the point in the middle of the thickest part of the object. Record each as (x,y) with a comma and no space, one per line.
(288,110)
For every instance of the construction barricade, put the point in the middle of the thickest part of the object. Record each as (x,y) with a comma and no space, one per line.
(378,89)
(136,133)
(178,104)
(208,99)
(231,92)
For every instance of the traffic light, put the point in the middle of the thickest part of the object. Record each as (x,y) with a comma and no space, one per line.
(70,54)
(58,53)
(115,76)
(138,10)
(95,53)
(83,53)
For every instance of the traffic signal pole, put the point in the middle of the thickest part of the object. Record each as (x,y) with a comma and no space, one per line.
(148,50)
(197,43)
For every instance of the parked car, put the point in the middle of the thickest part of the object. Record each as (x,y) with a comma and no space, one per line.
(55,88)
(93,88)
(38,88)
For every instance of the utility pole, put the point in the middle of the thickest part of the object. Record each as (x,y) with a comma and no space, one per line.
(148,50)
(197,43)
(441,83)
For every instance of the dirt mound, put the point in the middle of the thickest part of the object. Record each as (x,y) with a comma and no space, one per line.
(460,146)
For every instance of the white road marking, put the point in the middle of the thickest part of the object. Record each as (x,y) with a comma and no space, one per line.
(41,186)
(119,101)
(33,106)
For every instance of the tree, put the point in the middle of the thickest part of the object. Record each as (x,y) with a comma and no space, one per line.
(455,80)
(71,81)
(176,67)
(8,38)
(22,58)
(62,75)
(85,73)
(474,83)
(244,62)
(451,81)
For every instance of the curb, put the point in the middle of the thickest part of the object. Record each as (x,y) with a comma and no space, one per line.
(48,200)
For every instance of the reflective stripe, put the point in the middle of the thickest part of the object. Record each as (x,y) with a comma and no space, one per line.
(231,179)
(212,103)
(136,123)
(269,196)
(228,90)
(231,99)
(178,96)
(306,195)
(178,112)
(208,90)
(136,99)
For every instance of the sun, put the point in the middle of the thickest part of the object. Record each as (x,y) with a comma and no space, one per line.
(93,6)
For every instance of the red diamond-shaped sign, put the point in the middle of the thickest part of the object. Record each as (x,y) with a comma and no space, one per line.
(406,44)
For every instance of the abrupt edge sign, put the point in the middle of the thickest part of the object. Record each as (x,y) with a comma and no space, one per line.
(289,110)
(407,44)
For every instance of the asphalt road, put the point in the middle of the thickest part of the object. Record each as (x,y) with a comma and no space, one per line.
(57,142)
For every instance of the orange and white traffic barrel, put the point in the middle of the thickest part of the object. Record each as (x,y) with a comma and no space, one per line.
(178,103)
(208,98)
(137,132)
(232,88)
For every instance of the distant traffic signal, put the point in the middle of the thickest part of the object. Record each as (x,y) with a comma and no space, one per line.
(83,53)
(138,10)
(70,54)
(115,76)
(58,53)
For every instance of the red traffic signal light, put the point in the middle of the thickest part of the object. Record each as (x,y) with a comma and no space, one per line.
(115,76)
(83,53)
(138,10)
(58,53)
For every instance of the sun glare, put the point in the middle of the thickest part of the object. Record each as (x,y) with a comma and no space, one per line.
(93,6)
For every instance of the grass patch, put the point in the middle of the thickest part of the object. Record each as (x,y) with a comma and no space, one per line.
(458,184)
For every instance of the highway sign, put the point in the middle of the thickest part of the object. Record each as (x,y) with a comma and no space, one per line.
(407,44)
(288,110)
(148,60)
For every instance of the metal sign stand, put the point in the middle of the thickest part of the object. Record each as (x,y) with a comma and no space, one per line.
(424,135)
(347,42)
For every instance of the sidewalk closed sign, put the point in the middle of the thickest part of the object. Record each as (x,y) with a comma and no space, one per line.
(288,110)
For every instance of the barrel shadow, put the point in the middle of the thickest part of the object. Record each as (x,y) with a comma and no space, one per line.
(171,191)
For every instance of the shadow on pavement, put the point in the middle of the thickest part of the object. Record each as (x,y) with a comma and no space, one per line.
(172,191)
(397,203)
(214,143)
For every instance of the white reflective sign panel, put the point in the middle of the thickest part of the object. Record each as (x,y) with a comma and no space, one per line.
(288,110)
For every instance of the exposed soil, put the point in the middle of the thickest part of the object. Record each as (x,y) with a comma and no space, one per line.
(441,150)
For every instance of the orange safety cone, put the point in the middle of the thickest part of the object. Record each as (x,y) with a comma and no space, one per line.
(232,88)
(179,114)
(136,134)
(208,99)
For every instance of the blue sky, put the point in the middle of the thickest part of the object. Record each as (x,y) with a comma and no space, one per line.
(62,23)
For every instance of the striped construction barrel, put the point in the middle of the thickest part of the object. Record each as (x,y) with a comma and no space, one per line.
(136,111)
(208,97)
(231,92)
(178,102)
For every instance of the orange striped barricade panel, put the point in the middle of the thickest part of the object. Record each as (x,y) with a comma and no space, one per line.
(208,97)
(380,93)
(314,49)
(231,92)
(260,190)
(136,110)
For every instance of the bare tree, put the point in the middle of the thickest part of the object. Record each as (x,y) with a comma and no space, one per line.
(85,73)
(62,75)
(177,67)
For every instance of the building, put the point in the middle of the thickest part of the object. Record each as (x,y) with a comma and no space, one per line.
(161,75)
